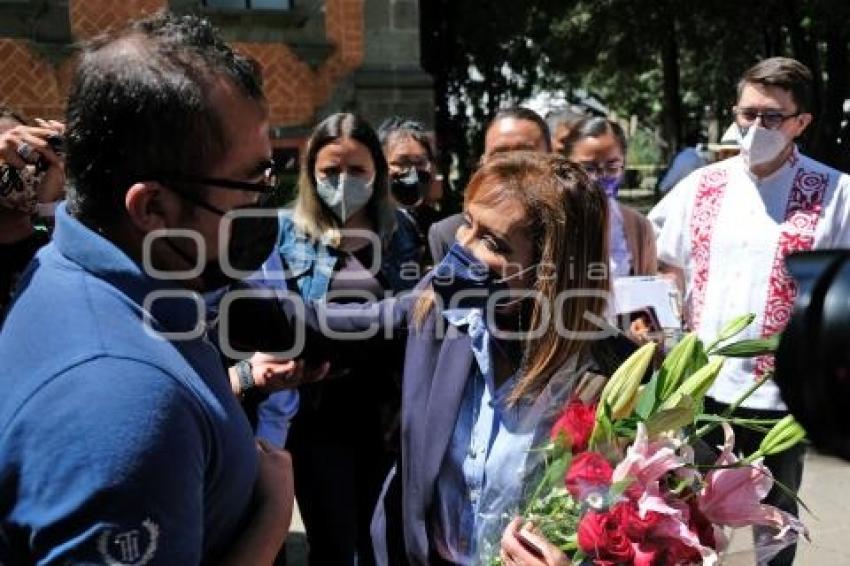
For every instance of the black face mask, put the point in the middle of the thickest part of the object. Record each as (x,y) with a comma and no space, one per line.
(410,188)
(252,239)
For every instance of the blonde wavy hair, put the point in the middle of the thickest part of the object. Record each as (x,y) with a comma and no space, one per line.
(567,219)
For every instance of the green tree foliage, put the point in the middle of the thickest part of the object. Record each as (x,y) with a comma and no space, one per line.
(671,63)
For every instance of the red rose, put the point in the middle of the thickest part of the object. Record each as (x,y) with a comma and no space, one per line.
(601,537)
(575,424)
(649,548)
(589,471)
(636,529)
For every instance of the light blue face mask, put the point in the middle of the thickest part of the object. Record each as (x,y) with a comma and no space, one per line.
(344,194)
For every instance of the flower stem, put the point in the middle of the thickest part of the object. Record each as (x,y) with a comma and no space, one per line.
(734,406)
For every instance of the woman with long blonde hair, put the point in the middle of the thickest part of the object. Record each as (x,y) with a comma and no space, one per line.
(340,244)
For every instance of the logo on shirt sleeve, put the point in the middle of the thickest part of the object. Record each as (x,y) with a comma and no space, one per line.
(132,547)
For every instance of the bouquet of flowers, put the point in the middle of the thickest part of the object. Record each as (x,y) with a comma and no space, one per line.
(620,484)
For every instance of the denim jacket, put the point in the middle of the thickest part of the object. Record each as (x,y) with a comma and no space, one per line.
(310,264)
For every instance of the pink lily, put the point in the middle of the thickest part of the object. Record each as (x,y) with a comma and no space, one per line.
(732,496)
(646,462)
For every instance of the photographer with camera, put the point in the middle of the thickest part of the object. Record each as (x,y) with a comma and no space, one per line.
(32,179)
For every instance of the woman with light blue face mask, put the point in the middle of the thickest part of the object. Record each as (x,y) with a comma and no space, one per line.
(599,146)
(340,244)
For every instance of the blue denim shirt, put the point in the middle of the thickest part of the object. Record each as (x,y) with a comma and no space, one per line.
(489,462)
(307,266)
(310,264)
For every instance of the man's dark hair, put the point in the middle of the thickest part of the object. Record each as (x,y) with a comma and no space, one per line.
(521,113)
(785,73)
(139,108)
(593,128)
(7,113)
(397,128)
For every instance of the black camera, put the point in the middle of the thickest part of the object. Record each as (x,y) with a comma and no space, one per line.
(813,359)
(57,144)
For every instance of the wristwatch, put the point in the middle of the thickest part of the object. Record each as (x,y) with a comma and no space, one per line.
(245,373)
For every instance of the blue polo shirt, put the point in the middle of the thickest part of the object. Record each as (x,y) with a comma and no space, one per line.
(116,445)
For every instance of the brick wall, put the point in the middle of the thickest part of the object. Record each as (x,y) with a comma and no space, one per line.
(92,17)
(30,83)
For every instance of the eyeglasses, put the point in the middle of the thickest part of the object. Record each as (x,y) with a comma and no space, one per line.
(770,119)
(269,184)
(407,164)
(595,170)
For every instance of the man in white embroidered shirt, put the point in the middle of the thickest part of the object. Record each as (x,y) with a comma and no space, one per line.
(729,227)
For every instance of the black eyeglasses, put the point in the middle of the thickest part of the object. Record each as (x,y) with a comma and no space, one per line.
(770,119)
(269,184)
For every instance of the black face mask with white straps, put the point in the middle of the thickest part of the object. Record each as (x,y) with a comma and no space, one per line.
(253,235)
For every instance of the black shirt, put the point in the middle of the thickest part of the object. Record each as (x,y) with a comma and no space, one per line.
(14,259)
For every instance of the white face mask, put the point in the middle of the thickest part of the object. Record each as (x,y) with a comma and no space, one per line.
(345,195)
(761,145)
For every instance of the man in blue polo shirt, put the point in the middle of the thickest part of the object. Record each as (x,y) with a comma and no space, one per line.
(121,441)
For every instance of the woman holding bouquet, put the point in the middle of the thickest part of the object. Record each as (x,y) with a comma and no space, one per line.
(497,338)
(535,226)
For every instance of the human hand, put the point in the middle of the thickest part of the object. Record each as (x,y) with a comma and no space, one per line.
(523,545)
(275,487)
(25,147)
(274,374)
(641,331)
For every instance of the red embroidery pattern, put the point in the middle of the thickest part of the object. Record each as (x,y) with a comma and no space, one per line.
(712,187)
(798,234)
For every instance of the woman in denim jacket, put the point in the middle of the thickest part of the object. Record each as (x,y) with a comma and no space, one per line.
(341,243)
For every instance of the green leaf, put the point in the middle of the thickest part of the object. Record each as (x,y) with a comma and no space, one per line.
(674,418)
(699,360)
(750,348)
(557,470)
(647,400)
(603,430)
(619,488)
